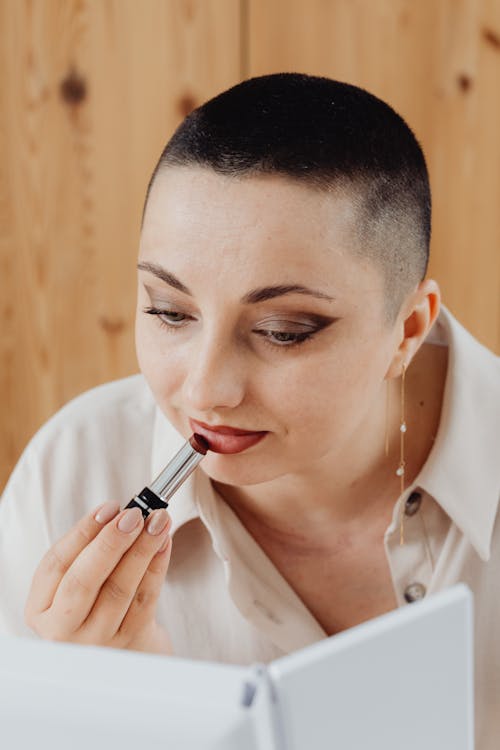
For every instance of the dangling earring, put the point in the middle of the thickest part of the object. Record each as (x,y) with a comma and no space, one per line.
(386,418)
(402,462)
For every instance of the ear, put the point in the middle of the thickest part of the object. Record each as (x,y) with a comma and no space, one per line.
(414,323)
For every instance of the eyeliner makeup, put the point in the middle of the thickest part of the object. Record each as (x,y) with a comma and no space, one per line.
(158,493)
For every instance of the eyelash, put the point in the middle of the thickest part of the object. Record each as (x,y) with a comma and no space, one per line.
(301,338)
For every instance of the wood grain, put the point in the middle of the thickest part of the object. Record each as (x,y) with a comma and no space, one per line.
(91,90)
(89,94)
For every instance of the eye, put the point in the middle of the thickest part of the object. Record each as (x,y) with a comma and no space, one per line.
(169,318)
(284,339)
(288,333)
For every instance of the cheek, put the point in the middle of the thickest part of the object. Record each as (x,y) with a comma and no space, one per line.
(313,398)
(327,397)
(160,364)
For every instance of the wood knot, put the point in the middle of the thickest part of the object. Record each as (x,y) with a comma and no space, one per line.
(464,82)
(491,37)
(73,88)
(404,17)
(113,326)
(44,357)
(186,104)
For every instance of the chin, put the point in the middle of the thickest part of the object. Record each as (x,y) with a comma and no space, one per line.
(238,470)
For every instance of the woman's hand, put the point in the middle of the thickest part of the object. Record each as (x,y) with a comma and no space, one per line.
(100,583)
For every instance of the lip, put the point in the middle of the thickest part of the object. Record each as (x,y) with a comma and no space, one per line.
(223,439)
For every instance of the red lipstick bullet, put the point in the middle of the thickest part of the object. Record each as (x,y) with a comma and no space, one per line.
(223,439)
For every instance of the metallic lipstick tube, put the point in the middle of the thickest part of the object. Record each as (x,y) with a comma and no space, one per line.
(159,492)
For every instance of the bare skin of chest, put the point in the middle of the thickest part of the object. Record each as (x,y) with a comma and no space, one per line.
(342,588)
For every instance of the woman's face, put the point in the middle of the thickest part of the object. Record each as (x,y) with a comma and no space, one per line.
(305,366)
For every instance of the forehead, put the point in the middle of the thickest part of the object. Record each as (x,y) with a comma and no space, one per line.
(267,227)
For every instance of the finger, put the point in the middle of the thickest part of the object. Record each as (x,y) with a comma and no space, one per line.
(80,586)
(119,590)
(142,610)
(61,555)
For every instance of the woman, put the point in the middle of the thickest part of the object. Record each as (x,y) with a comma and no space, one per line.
(283,313)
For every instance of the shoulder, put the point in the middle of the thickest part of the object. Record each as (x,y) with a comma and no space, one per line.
(114,404)
(107,412)
(95,448)
(111,425)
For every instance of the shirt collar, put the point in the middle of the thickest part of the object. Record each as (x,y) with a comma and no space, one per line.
(462,471)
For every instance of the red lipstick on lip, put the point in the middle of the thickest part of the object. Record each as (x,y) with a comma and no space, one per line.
(222,439)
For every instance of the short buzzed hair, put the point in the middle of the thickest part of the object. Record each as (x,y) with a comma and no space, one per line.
(330,136)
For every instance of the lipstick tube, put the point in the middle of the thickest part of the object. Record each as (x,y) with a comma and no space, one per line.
(158,493)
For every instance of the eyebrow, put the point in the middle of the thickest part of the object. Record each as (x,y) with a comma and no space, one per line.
(251,298)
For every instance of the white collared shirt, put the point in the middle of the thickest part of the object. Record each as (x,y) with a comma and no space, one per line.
(223,599)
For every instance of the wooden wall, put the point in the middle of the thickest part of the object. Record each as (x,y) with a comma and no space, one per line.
(90,91)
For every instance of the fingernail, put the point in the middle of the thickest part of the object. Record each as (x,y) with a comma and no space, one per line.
(106,512)
(130,520)
(157,522)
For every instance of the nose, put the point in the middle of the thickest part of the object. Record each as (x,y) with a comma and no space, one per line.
(215,378)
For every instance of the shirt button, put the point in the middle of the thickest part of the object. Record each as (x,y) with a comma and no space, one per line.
(413,503)
(414,592)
